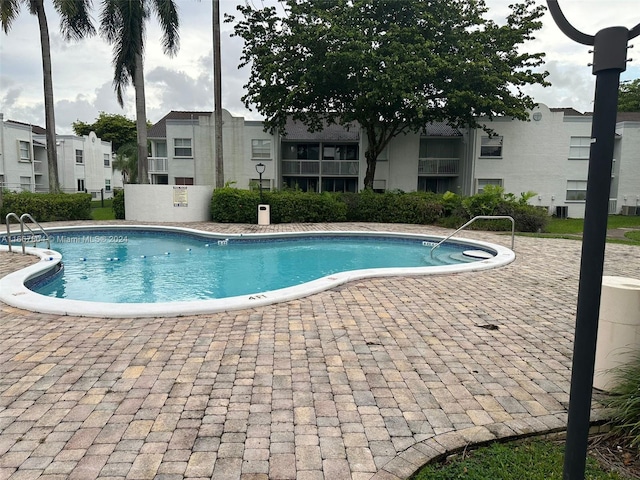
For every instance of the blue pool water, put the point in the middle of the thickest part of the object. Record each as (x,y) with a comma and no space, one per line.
(149,267)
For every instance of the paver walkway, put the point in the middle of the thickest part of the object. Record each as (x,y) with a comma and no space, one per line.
(367,380)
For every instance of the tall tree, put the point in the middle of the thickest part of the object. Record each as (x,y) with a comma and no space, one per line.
(114,128)
(391,65)
(75,23)
(629,96)
(122,23)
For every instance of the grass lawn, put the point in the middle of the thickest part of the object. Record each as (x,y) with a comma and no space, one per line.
(99,212)
(534,460)
(575,225)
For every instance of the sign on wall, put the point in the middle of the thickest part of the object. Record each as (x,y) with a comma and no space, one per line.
(180,197)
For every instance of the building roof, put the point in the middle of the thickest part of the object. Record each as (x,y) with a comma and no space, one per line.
(159,129)
(441,129)
(628,117)
(295,130)
(34,128)
(570,112)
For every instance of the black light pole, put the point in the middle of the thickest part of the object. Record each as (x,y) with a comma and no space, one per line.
(260,168)
(609,60)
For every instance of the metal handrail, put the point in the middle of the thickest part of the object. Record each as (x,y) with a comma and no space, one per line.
(6,220)
(21,219)
(480,217)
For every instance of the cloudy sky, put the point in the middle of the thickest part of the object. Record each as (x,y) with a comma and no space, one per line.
(82,71)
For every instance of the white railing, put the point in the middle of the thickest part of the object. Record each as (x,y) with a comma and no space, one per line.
(340,167)
(613,206)
(300,167)
(438,166)
(158,164)
(480,217)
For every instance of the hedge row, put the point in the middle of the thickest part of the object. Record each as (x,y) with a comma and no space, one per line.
(47,207)
(118,203)
(231,205)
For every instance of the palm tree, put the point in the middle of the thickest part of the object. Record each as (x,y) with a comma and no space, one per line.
(126,161)
(75,23)
(123,25)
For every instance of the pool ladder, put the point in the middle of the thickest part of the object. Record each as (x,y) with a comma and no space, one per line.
(480,217)
(23,225)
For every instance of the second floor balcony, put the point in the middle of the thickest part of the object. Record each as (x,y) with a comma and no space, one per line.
(438,166)
(158,164)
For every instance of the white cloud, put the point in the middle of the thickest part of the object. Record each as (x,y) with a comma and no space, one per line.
(83,72)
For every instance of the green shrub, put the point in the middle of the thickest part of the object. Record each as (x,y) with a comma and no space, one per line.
(231,205)
(493,201)
(118,204)
(624,400)
(294,206)
(393,207)
(48,207)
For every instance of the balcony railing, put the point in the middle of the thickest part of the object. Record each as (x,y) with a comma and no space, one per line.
(438,166)
(158,164)
(300,167)
(340,167)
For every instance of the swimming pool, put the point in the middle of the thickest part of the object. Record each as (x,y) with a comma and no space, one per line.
(132,271)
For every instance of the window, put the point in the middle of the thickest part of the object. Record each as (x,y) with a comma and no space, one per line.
(161,149)
(261,148)
(436,184)
(255,184)
(81,185)
(25,151)
(184,180)
(491,146)
(340,152)
(339,184)
(107,185)
(182,147)
(483,182)
(301,151)
(25,184)
(79,157)
(107,160)
(1,181)
(439,148)
(579,147)
(576,190)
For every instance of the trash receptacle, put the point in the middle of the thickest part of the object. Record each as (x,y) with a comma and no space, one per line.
(264,215)
(618,328)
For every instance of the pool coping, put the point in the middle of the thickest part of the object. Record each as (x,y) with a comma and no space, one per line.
(14,292)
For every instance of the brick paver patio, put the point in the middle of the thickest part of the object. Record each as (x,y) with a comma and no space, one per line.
(365,381)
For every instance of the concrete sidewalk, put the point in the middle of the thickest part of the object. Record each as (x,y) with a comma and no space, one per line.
(365,381)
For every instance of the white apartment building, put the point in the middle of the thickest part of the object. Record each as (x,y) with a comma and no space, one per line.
(547,155)
(84,163)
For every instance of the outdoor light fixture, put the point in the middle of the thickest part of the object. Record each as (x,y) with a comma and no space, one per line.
(609,60)
(260,168)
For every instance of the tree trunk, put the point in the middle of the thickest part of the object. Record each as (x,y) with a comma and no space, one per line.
(141,121)
(372,159)
(50,120)
(217,93)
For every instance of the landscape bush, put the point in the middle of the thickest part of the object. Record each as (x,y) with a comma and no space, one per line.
(48,207)
(393,207)
(493,201)
(118,204)
(624,400)
(231,205)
